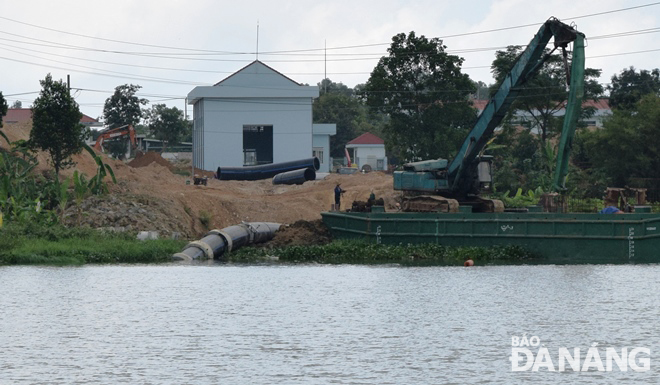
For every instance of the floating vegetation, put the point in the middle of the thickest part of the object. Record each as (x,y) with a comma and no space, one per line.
(357,252)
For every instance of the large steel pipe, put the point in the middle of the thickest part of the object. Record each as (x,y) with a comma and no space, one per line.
(217,242)
(266,171)
(295,177)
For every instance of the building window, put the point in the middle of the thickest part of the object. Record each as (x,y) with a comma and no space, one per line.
(257,144)
(318,152)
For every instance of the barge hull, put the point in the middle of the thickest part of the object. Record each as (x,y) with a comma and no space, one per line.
(554,238)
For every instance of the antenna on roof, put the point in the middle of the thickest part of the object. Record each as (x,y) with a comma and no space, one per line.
(257,39)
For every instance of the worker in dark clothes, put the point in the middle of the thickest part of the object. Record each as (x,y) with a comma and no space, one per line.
(338,192)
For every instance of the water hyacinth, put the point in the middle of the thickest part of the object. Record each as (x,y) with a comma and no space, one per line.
(350,251)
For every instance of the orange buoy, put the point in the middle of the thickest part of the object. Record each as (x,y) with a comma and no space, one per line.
(468,263)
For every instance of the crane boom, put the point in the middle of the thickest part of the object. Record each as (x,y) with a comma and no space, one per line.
(573,106)
(528,62)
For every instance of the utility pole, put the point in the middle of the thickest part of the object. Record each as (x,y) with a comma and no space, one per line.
(257,39)
(192,145)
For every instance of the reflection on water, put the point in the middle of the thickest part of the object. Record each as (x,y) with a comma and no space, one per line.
(211,324)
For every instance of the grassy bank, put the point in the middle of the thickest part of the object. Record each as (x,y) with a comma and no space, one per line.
(343,251)
(57,245)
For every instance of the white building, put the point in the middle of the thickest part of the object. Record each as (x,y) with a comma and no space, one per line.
(368,150)
(256,116)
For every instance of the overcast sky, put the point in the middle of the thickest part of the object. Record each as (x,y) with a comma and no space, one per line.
(170,46)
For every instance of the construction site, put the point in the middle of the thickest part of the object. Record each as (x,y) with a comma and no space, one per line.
(154,194)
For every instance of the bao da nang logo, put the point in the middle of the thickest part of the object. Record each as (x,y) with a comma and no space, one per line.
(531,354)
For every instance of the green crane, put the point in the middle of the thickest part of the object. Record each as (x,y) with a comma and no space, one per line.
(448,184)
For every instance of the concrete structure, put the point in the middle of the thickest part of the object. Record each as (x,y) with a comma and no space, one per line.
(256,116)
(368,149)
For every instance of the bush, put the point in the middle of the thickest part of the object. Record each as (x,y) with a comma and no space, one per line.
(58,245)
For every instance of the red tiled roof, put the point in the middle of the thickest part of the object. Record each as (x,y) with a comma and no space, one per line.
(367,138)
(601,104)
(17,115)
(88,119)
(480,104)
(22,115)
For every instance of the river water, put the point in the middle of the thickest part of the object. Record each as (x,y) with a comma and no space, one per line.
(318,324)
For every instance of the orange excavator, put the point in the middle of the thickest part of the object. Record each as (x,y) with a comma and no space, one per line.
(114,133)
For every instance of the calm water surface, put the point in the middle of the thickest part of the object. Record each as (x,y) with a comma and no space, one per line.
(220,324)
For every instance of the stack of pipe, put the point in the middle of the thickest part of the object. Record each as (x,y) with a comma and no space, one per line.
(266,171)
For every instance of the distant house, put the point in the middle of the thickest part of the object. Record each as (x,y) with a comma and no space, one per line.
(601,106)
(256,116)
(368,150)
(24,115)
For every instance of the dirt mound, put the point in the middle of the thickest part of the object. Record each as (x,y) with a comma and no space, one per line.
(145,159)
(129,212)
(301,233)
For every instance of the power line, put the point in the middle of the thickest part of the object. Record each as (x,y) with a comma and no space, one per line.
(213,52)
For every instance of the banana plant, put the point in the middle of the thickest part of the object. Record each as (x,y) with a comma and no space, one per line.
(21,197)
(97,184)
(80,191)
(63,196)
(2,134)
(15,180)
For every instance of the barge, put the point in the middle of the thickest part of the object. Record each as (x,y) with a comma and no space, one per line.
(555,238)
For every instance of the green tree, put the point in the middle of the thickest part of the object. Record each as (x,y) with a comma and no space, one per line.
(167,124)
(328,86)
(630,86)
(56,126)
(17,104)
(3,107)
(628,146)
(544,94)
(123,107)
(338,105)
(117,147)
(423,91)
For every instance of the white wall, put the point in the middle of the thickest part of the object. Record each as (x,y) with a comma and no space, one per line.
(362,154)
(223,129)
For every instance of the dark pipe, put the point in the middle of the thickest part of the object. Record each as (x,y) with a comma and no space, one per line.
(266,171)
(217,242)
(295,177)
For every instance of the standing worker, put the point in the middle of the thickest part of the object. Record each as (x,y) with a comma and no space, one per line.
(338,192)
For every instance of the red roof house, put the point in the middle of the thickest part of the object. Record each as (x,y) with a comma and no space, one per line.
(24,115)
(368,152)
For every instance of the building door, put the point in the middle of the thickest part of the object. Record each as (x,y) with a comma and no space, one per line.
(257,144)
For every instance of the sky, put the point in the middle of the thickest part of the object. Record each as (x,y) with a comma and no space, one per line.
(171,46)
